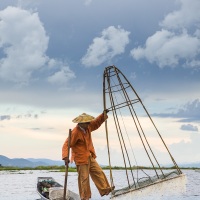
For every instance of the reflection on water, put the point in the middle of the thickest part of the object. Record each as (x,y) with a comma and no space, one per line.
(21,185)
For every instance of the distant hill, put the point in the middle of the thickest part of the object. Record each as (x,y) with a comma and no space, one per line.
(19,162)
(34,162)
(46,161)
(29,162)
(190,165)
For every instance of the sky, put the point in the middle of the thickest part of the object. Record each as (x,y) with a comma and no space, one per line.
(53,55)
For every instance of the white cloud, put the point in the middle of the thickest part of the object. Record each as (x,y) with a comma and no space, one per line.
(186,16)
(24,42)
(111,43)
(166,48)
(62,76)
(178,43)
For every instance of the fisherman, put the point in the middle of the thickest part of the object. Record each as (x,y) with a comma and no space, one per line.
(83,153)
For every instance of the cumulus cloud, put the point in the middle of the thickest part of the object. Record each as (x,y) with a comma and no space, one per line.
(62,76)
(188,112)
(111,43)
(23,43)
(178,42)
(166,48)
(189,127)
(186,16)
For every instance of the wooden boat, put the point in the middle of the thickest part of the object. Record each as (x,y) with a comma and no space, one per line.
(49,189)
(45,182)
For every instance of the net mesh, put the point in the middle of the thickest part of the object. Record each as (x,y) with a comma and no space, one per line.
(56,193)
(154,187)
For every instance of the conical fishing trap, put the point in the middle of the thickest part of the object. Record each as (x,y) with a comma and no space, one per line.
(131,130)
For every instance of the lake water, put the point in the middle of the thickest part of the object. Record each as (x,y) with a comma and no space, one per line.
(21,185)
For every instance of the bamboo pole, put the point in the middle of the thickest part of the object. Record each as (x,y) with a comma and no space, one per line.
(66,170)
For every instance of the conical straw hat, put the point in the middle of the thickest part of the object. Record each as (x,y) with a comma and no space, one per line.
(83,118)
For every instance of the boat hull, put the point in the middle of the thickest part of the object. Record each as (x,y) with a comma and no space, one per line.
(169,185)
(45,182)
(55,190)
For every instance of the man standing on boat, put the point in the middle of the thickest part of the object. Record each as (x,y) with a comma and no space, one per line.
(83,153)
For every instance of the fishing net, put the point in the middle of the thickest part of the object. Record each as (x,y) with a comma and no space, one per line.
(154,187)
(56,193)
(159,190)
(133,132)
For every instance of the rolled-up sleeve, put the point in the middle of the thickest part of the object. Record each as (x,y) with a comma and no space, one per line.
(96,123)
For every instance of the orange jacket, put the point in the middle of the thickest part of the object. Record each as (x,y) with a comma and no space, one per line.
(81,143)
